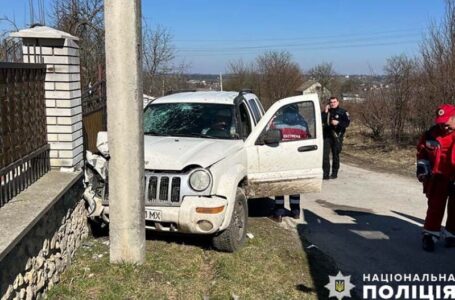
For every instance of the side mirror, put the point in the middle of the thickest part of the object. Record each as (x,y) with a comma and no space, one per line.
(272,137)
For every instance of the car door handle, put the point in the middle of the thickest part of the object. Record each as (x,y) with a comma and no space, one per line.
(307,148)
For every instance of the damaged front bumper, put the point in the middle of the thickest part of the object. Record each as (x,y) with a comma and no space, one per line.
(95,205)
(198,215)
(194,214)
(96,189)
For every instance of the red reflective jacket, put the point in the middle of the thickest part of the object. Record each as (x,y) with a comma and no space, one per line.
(438,148)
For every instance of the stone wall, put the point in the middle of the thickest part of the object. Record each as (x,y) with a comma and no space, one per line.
(37,261)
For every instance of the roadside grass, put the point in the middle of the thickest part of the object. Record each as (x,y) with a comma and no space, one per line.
(361,150)
(272,265)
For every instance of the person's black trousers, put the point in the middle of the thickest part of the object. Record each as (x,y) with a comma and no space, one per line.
(334,145)
(294,201)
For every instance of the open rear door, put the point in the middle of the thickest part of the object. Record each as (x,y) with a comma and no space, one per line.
(282,160)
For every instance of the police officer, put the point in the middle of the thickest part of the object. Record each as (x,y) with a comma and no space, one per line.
(436,170)
(335,120)
(293,127)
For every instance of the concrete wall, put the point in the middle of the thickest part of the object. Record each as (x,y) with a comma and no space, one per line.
(34,265)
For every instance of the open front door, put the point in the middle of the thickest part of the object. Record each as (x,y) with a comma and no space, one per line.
(285,149)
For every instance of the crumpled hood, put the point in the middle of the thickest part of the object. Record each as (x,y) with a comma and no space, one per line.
(175,153)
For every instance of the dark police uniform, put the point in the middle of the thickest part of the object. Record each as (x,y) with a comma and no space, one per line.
(333,138)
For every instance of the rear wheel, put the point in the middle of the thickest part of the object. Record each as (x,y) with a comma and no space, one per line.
(233,237)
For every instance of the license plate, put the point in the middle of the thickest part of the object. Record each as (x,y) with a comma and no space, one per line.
(153,215)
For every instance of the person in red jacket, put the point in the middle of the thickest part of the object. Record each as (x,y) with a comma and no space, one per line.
(293,127)
(436,170)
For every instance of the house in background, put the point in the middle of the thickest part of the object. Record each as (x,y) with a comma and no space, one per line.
(312,86)
(350,97)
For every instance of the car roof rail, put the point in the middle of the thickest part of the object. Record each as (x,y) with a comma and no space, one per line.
(170,92)
(245,91)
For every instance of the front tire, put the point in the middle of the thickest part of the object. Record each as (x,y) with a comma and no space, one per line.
(232,238)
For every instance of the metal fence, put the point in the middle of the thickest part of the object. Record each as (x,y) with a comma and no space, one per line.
(94,114)
(24,151)
(11,50)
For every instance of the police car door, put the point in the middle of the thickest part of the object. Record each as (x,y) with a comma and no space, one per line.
(293,165)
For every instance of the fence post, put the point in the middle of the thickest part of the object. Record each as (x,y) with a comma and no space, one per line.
(60,52)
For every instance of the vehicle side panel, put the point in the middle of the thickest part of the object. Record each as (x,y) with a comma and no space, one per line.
(227,175)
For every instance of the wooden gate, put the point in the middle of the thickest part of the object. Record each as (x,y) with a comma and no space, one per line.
(94,114)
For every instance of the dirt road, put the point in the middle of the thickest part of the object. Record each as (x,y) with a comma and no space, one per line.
(370,223)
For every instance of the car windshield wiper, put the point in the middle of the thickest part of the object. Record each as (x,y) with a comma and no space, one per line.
(188,134)
(201,135)
(151,132)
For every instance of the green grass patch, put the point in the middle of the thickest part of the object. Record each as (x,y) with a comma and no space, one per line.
(272,265)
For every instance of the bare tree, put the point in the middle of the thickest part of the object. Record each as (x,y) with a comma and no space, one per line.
(158,54)
(279,76)
(84,19)
(161,72)
(438,57)
(324,74)
(175,79)
(158,50)
(9,49)
(272,76)
(242,75)
(423,104)
(401,77)
(372,112)
(415,85)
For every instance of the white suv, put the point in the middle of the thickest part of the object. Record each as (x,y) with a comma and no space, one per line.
(206,153)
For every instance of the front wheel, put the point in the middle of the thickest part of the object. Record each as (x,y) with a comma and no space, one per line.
(233,237)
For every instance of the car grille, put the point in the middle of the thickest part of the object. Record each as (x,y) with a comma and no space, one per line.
(164,190)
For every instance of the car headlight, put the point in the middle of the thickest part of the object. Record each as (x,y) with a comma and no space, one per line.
(200,180)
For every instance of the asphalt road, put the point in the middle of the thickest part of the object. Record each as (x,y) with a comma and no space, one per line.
(370,223)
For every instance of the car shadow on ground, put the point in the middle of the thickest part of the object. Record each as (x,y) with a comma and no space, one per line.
(256,207)
(368,243)
(320,264)
(260,207)
(202,241)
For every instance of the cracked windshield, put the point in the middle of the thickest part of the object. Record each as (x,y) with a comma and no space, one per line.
(191,120)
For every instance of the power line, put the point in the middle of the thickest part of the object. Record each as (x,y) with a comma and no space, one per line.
(311,48)
(322,43)
(416,30)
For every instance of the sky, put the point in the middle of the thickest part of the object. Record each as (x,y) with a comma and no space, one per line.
(356,36)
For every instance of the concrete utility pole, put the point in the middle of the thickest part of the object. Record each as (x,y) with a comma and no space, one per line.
(125,130)
(221,81)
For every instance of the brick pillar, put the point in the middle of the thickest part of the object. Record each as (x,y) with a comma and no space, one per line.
(60,52)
